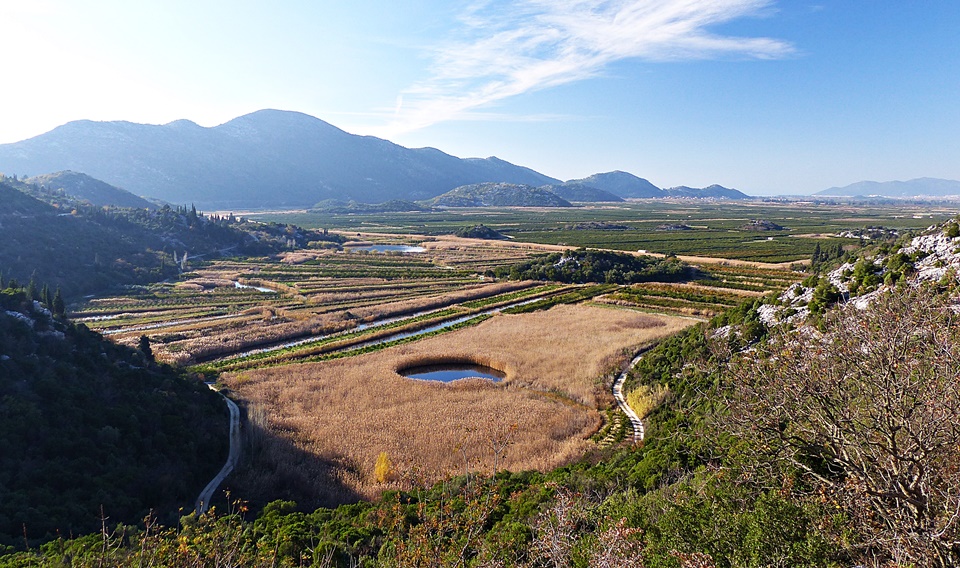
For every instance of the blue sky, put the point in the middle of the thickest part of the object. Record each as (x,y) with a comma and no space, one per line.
(766,96)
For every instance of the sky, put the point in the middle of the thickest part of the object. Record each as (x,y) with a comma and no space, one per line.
(769,97)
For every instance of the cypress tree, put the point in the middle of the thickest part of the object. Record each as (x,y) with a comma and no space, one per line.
(59,308)
(144,347)
(32,287)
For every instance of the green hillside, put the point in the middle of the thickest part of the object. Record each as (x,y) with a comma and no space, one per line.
(86,189)
(576,191)
(85,422)
(499,195)
(85,249)
(13,202)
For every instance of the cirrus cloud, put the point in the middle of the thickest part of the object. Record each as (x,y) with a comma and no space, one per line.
(505,49)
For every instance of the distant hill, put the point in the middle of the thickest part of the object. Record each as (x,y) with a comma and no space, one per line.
(85,188)
(920,187)
(14,202)
(480,231)
(621,184)
(710,192)
(499,195)
(91,249)
(577,191)
(269,158)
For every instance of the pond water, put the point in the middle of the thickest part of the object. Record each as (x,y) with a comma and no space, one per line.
(257,288)
(453,371)
(388,248)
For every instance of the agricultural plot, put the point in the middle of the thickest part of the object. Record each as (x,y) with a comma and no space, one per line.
(230,308)
(313,305)
(681,227)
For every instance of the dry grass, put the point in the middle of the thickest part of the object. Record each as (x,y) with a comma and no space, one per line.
(346,412)
(645,399)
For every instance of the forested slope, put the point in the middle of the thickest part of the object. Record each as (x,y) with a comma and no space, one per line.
(86,423)
(82,249)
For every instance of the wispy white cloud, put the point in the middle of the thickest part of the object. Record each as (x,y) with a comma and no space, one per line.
(507,48)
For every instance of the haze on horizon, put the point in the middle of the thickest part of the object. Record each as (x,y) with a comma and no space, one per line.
(768,97)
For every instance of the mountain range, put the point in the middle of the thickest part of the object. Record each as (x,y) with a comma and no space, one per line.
(267,158)
(920,187)
(273,158)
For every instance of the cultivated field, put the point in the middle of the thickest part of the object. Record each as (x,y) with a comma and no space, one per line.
(559,364)
(245,313)
(685,227)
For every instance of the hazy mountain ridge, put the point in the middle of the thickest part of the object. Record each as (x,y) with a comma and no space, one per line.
(919,187)
(273,158)
(266,158)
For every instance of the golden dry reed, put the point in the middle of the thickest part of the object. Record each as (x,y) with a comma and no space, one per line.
(349,412)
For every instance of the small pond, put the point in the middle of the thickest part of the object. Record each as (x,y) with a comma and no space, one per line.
(448,372)
(388,248)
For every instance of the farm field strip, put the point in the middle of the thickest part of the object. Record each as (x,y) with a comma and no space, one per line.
(378,332)
(715,228)
(165,324)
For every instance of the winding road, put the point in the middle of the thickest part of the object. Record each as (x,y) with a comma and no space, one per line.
(203,501)
(622,401)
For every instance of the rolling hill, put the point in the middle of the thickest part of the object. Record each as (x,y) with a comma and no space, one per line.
(85,188)
(499,195)
(90,249)
(621,184)
(710,192)
(268,158)
(577,191)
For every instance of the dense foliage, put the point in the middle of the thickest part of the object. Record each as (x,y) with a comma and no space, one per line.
(582,266)
(85,423)
(480,231)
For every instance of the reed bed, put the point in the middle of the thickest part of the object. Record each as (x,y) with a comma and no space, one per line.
(558,365)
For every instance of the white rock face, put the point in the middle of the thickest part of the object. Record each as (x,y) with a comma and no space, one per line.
(943,253)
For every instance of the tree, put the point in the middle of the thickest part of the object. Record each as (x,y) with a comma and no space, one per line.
(868,415)
(144,347)
(32,292)
(58,307)
(46,297)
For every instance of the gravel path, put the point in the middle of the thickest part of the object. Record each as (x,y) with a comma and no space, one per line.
(622,401)
(203,501)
